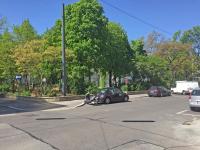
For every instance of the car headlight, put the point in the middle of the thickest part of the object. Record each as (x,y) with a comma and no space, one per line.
(102,96)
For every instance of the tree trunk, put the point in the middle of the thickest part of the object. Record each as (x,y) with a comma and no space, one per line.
(110,78)
(89,76)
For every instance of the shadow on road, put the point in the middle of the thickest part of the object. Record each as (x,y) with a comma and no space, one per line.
(10,106)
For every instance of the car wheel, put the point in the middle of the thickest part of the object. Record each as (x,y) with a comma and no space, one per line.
(107,100)
(183,92)
(161,94)
(126,98)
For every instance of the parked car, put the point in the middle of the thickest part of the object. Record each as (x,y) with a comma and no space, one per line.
(158,91)
(108,95)
(184,87)
(194,99)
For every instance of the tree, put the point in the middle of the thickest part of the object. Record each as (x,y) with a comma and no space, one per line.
(138,47)
(192,36)
(7,64)
(176,37)
(53,35)
(151,70)
(180,58)
(51,64)
(24,32)
(2,24)
(85,34)
(152,41)
(117,56)
(28,57)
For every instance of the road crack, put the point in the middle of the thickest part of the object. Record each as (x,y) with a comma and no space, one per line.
(35,137)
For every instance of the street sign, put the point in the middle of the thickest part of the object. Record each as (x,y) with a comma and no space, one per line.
(18,77)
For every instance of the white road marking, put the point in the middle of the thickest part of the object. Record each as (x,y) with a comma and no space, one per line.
(178,113)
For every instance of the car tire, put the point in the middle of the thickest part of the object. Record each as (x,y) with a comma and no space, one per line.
(183,92)
(161,94)
(126,98)
(107,100)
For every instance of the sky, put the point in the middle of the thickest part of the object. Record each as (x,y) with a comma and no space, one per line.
(168,15)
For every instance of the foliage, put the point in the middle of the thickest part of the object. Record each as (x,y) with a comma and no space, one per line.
(24,32)
(192,36)
(124,88)
(117,51)
(180,59)
(92,88)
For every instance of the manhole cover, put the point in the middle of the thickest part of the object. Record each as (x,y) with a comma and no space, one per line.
(138,121)
(50,118)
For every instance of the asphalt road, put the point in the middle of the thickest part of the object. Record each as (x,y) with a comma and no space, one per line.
(142,124)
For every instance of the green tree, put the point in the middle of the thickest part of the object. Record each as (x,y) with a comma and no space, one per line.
(192,36)
(85,27)
(151,70)
(7,65)
(117,55)
(28,57)
(53,35)
(24,32)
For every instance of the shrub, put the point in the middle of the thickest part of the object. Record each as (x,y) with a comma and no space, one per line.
(25,93)
(92,88)
(4,87)
(124,88)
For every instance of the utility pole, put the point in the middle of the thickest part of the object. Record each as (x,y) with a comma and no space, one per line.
(64,78)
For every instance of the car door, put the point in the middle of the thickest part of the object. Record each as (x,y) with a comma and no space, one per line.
(118,95)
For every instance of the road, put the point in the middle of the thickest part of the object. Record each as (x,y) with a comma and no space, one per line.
(142,124)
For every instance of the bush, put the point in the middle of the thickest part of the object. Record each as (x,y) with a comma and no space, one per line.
(54,91)
(92,88)
(124,88)
(4,88)
(25,93)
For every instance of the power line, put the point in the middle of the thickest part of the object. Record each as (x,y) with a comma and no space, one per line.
(136,18)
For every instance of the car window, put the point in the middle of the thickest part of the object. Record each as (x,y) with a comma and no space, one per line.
(196,92)
(111,91)
(118,91)
(103,91)
(153,88)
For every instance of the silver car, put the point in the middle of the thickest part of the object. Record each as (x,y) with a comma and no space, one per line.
(194,99)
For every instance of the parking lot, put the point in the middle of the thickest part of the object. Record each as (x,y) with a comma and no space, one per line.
(152,123)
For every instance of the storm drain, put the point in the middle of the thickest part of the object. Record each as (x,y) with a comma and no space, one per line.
(138,145)
(50,118)
(138,121)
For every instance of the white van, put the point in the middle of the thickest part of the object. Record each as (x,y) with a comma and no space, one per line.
(185,87)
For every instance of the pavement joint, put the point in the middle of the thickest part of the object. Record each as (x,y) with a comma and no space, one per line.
(35,137)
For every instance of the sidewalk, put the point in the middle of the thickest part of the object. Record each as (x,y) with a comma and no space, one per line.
(67,104)
(137,96)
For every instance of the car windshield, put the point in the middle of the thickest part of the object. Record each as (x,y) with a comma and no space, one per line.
(196,92)
(103,91)
(153,88)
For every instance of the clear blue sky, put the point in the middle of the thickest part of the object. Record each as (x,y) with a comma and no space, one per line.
(170,15)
